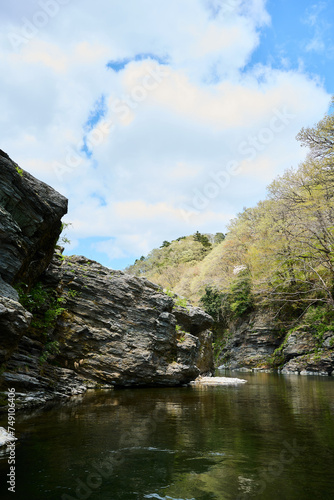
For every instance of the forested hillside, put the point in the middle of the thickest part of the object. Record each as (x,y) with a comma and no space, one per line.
(277,255)
(283,246)
(182,265)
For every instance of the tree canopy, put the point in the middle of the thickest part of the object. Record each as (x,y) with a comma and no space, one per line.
(285,243)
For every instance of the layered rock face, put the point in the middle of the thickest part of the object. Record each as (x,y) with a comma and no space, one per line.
(251,341)
(308,356)
(30,224)
(90,325)
(122,330)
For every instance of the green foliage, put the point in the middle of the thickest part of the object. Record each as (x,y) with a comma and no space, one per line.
(179,301)
(277,358)
(233,303)
(34,299)
(63,238)
(240,297)
(219,238)
(19,171)
(211,302)
(50,350)
(168,264)
(320,320)
(179,331)
(43,304)
(170,293)
(202,238)
(218,347)
(165,244)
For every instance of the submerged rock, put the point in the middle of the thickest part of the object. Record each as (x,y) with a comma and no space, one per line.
(218,381)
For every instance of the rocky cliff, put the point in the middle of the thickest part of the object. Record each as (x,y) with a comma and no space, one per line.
(30,224)
(67,323)
(250,341)
(259,342)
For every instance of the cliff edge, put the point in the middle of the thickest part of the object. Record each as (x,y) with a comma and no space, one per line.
(68,323)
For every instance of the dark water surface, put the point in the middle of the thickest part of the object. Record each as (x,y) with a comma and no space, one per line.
(272,438)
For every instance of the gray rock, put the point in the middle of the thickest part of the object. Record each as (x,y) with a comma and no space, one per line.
(8,291)
(117,330)
(124,331)
(14,322)
(30,223)
(251,340)
(298,343)
(318,363)
(328,340)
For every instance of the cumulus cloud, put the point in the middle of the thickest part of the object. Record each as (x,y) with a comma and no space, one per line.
(147,114)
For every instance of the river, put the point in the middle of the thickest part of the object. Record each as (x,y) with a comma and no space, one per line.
(272,438)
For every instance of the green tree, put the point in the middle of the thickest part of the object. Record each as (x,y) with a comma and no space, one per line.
(203,239)
(211,302)
(165,244)
(219,238)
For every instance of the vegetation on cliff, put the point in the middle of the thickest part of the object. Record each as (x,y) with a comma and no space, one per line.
(277,255)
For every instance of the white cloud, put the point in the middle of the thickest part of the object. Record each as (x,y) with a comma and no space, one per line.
(168,129)
(315,17)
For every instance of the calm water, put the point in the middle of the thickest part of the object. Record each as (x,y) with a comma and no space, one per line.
(272,438)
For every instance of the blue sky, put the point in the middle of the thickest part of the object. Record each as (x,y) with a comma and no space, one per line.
(158,118)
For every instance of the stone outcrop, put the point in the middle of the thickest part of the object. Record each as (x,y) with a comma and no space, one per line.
(90,326)
(314,363)
(30,223)
(250,341)
(299,342)
(123,330)
(307,355)
(115,330)
(14,322)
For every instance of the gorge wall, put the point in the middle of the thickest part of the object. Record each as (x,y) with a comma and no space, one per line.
(68,323)
(259,342)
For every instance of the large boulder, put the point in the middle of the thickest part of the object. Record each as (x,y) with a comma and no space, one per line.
(103,327)
(123,330)
(30,223)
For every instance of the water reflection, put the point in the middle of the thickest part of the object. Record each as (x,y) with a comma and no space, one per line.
(271,438)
